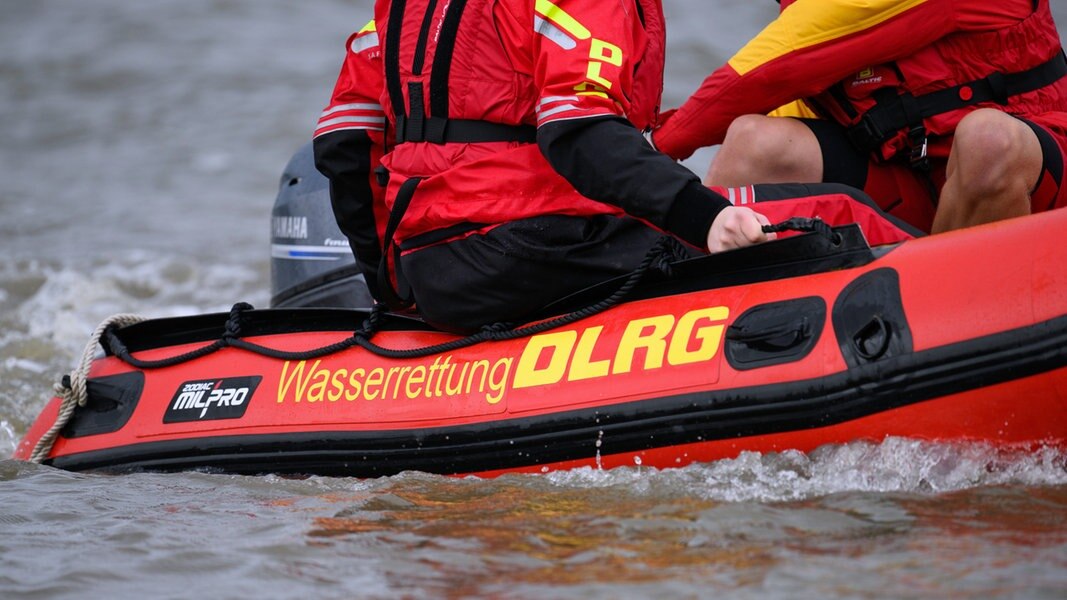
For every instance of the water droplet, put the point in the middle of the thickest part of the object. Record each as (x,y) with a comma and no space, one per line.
(599,441)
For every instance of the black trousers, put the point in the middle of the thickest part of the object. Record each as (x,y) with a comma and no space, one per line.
(515,269)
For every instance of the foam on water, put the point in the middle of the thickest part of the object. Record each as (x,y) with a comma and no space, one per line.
(8,439)
(894,465)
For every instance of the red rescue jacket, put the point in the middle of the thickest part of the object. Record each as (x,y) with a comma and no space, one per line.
(467,83)
(1019,69)
(847,56)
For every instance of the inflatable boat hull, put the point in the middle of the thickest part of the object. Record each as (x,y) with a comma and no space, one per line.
(955,337)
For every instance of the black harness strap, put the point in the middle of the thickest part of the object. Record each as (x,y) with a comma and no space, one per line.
(412,128)
(894,113)
(838,94)
(399,297)
(463,131)
(392,56)
(424,35)
(412,122)
(442,60)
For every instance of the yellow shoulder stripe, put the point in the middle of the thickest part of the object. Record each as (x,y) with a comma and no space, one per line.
(808,23)
(797,108)
(561,19)
(369,27)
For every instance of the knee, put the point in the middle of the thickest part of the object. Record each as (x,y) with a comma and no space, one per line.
(754,137)
(992,151)
(761,148)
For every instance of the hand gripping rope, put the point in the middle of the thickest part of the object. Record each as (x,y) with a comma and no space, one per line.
(804,224)
(73,391)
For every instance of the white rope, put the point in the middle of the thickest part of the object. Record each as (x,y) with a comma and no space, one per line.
(78,392)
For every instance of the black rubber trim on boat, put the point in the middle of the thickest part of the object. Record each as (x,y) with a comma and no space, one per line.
(175,331)
(782,259)
(791,257)
(633,426)
(775,333)
(108,407)
(869,319)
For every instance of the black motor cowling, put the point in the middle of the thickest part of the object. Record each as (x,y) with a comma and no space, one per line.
(311,262)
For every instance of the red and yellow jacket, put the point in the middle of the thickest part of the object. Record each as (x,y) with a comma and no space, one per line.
(844,56)
(422,85)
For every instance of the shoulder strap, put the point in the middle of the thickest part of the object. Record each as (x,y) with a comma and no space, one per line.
(413,124)
(392,56)
(442,60)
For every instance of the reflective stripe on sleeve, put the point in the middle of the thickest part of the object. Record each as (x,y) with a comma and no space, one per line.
(364,42)
(362,115)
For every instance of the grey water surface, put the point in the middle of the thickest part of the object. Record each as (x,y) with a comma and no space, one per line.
(140,147)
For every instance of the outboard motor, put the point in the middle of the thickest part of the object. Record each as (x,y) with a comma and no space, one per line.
(311,262)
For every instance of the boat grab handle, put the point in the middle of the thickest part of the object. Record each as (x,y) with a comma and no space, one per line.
(872,340)
(782,336)
(804,224)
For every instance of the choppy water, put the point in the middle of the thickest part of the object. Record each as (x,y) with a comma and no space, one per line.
(140,144)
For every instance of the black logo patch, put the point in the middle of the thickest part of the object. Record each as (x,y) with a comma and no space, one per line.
(211,399)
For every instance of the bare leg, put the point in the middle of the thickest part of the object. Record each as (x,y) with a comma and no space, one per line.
(994,164)
(761,149)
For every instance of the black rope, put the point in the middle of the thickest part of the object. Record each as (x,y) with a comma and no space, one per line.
(666,250)
(119,349)
(659,258)
(804,224)
(230,337)
(232,330)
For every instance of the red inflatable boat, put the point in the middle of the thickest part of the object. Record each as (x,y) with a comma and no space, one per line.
(805,341)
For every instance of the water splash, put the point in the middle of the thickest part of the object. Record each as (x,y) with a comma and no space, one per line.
(8,439)
(895,465)
(599,443)
(47,312)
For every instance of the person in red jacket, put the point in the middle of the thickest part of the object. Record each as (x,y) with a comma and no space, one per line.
(486,157)
(950,113)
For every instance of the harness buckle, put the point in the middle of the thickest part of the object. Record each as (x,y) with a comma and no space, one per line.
(920,145)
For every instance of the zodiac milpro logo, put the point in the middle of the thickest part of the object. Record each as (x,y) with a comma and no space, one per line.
(211,399)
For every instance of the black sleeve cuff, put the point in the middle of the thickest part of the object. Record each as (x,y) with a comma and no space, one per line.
(692,213)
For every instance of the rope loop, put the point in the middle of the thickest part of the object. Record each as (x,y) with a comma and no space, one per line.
(233,323)
(495,328)
(73,389)
(804,224)
(372,322)
(666,252)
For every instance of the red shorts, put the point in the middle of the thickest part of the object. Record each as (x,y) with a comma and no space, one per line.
(911,195)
